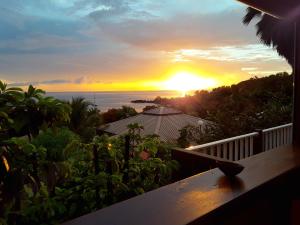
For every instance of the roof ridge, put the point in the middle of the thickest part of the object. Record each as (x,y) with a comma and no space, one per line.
(128,118)
(162,110)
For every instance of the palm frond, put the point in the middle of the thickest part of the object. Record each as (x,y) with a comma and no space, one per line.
(250,15)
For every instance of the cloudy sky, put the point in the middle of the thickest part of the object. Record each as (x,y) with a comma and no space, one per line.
(100,45)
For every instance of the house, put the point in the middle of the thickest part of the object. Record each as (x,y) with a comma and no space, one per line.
(163,121)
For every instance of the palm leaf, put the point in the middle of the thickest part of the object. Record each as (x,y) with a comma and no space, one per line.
(250,15)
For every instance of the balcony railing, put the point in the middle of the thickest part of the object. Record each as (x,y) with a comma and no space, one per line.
(240,147)
(277,136)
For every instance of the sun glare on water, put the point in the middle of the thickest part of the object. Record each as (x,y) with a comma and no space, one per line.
(185,82)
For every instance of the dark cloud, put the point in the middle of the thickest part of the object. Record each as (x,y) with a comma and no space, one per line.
(109,9)
(50,82)
(23,34)
(55,82)
(38,83)
(182,31)
(80,80)
(14,51)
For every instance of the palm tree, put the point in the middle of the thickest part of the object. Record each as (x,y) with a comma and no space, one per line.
(53,111)
(80,108)
(8,96)
(273,32)
(84,118)
(34,111)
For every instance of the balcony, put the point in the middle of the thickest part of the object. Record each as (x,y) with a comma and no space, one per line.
(263,193)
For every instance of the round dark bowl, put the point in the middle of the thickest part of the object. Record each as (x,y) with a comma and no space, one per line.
(230,169)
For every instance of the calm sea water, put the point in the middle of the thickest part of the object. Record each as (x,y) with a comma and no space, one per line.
(108,100)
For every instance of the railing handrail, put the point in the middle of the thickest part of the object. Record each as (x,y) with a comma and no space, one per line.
(223,141)
(278,127)
(242,137)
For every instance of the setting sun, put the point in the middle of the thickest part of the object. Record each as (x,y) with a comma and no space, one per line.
(186,81)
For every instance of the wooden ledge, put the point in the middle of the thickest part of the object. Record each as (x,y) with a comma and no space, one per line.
(192,199)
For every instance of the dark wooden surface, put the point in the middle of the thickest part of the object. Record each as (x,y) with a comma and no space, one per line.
(192,163)
(296,108)
(206,197)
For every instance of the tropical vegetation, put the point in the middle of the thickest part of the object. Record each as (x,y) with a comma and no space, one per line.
(113,115)
(53,166)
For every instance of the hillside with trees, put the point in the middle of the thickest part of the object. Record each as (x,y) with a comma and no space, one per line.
(241,108)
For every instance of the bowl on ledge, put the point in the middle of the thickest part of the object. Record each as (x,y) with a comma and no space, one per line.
(230,169)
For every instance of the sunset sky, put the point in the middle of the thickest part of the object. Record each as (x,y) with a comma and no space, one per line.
(101,45)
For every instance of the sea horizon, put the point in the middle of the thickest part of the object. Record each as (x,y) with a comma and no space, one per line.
(115,91)
(105,100)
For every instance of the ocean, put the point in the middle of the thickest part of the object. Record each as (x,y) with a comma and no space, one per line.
(116,99)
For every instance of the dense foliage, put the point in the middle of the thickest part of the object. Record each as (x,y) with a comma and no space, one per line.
(54,168)
(84,118)
(149,107)
(113,115)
